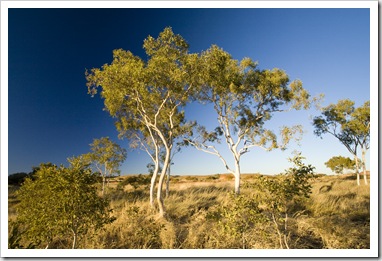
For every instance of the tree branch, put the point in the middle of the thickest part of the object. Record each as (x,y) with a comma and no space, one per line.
(213,152)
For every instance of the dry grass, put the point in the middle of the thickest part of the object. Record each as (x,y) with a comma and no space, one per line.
(340,212)
(335,216)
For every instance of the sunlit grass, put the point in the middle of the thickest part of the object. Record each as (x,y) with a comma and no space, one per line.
(337,215)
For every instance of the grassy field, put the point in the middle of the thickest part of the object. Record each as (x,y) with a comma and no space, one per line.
(201,212)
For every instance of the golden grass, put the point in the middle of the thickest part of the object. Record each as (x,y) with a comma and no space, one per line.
(337,215)
(340,212)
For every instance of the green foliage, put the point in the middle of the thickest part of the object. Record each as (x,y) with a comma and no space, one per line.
(17,178)
(151,168)
(135,181)
(333,120)
(15,238)
(360,123)
(244,96)
(350,125)
(61,202)
(280,195)
(200,217)
(339,163)
(293,185)
(213,177)
(147,96)
(105,152)
(244,99)
(267,210)
(105,157)
(236,219)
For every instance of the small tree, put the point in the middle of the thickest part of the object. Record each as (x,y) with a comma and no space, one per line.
(106,158)
(277,195)
(350,125)
(61,202)
(339,163)
(359,126)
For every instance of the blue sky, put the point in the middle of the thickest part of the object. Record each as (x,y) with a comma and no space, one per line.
(51,116)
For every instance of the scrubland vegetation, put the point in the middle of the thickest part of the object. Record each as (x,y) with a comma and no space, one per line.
(296,209)
(203,212)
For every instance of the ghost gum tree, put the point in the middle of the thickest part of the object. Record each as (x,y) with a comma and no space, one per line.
(244,99)
(150,143)
(339,163)
(350,125)
(359,126)
(106,158)
(146,97)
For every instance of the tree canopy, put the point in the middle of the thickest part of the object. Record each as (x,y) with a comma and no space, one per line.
(146,97)
(339,163)
(60,203)
(244,99)
(106,157)
(350,125)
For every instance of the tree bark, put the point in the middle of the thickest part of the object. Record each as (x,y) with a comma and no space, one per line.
(277,230)
(162,210)
(364,165)
(237,177)
(104,179)
(152,185)
(159,196)
(356,169)
(168,180)
(103,185)
(74,240)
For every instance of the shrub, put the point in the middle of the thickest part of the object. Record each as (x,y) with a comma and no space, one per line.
(213,177)
(17,178)
(135,181)
(280,196)
(61,202)
(237,219)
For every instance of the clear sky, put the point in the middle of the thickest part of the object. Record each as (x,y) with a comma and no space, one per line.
(51,116)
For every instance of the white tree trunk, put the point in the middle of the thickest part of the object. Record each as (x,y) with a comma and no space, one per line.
(159,196)
(237,177)
(364,165)
(104,180)
(152,185)
(103,185)
(162,210)
(168,180)
(356,169)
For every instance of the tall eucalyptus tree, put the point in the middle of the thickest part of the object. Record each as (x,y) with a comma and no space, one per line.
(147,97)
(350,125)
(244,99)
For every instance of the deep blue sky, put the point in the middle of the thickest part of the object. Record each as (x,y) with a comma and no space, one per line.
(51,116)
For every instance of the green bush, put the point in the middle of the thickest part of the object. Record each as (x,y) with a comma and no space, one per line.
(135,181)
(61,203)
(280,196)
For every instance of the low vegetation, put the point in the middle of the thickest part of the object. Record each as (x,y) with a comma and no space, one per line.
(85,206)
(203,212)
(58,206)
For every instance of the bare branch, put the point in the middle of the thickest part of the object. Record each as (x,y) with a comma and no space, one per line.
(213,152)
